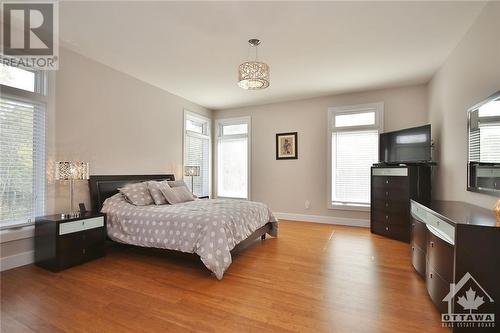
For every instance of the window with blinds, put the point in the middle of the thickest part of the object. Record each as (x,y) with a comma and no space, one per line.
(233,157)
(353,148)
(197,151)
(22,165)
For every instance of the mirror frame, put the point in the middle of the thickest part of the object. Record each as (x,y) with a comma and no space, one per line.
(495,96)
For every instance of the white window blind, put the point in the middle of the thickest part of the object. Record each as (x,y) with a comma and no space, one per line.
(197,151)
(353,148)
(22,164)
(353,153)
(233,158)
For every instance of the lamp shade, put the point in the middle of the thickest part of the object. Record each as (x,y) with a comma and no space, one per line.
(191,170)
(72,170)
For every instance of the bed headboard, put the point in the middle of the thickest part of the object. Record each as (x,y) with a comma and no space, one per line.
(103,187)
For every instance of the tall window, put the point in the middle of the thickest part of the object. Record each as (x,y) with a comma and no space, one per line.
(197,151)
(233,158)
(353,148)
(22,147)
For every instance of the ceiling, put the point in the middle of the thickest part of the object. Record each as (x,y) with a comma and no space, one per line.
(193,49)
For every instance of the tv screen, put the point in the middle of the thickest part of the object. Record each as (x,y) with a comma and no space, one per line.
(411,145)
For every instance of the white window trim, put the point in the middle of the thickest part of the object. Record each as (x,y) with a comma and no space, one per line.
(379,125)
(201,118)
(218,134)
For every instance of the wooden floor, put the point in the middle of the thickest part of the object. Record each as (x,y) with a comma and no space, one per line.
(313,278)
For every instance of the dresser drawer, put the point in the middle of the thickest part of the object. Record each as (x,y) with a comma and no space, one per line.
(437,289)
(80,225)
(396,172)
(418,260)
(446,230)
(390,205)
(391,218)
(390,183)
(419,234)
(398,232)
(440,256)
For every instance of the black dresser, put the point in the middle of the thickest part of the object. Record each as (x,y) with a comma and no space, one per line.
(392,188)
(455,248)
(61,243)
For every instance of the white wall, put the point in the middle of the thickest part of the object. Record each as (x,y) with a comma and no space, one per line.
(286,184)
(117,123)
(470,74)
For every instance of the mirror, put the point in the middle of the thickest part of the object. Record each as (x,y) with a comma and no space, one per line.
(483,167)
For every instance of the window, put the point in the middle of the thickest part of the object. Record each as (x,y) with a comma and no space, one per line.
(24,79)
(22,145)
(353,148)
(22,170)
(233,158)
(197,151)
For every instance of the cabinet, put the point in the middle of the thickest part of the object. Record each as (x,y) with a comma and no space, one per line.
(392,188)
(454,246)
(62,243)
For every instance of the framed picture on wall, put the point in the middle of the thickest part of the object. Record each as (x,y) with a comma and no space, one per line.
(286,146)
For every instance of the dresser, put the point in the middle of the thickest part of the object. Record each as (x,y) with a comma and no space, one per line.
(459,244)
(392,188)
(61,243)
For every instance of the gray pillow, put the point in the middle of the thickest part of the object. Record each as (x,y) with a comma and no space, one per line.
(175,195)
(154,190)
(137,194)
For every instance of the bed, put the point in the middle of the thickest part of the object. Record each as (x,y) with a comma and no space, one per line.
(210,228)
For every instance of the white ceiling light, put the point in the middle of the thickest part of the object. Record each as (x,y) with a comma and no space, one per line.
(253,74)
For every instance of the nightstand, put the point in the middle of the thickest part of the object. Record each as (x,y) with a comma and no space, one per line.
(65,242)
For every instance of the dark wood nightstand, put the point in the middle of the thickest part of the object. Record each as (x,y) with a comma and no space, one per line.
(65,242)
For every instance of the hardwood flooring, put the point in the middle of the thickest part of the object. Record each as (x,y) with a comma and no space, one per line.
(313,278)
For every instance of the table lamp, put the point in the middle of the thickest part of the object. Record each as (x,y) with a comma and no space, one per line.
(192,171)
(72,170)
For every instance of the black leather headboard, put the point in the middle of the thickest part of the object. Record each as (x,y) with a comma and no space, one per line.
(103,187)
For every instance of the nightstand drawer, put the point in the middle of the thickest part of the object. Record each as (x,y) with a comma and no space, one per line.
(76,226)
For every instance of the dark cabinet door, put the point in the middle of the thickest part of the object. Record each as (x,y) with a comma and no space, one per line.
(93,245)
(418,260)
(69,249)
(437,288)
(440,256)
(419,235)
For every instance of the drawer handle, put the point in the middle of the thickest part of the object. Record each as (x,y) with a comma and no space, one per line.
(387,228)
(84,236)
(430,275)
(387,204)
(432,244)
(83,251)
(387,217)
(387,181)
(386,193)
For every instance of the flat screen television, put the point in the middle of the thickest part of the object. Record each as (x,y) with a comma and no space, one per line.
(411,145)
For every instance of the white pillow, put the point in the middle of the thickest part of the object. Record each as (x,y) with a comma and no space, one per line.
(137,194)
(175,195)
(154,189)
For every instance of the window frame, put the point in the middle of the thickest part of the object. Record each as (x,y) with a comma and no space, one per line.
(378,108)
(40,87)
(27,97)
(219,123)
(207,129)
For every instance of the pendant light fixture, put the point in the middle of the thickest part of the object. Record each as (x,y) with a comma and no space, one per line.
(254,74)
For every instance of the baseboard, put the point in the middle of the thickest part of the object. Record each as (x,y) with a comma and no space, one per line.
(324,219)
(16,260)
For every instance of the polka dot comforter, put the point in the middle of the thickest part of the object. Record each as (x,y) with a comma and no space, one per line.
(210,228)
